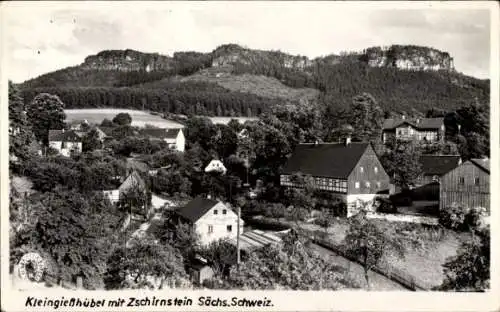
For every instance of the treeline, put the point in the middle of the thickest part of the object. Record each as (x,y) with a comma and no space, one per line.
(186,98)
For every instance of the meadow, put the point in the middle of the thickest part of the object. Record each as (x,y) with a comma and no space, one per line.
(139,118)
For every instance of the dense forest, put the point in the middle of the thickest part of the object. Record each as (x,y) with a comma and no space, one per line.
(180,98)
(338,78)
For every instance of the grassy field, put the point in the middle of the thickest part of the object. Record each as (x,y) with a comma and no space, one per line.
(226,120)
(427,249)
(259,85)
(139,118)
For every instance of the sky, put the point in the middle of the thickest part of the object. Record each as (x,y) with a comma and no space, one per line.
(43,37)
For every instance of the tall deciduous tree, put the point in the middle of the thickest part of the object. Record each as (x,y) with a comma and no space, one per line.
(143,263)
(91,141)
(366,117)
(45,112)
(123,119)
(20,133)
(367,243)
(77,231)
(403,163)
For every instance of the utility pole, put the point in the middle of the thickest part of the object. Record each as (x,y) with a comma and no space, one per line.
(238,240)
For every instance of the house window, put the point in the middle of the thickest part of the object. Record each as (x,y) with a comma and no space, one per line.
(476,181)
(361,169)
(224,211)
(367,184)
(229,228)
(378,184)
(461,180)
(375,169)
(356,185)
(210,229)
(63,144)
(215,211)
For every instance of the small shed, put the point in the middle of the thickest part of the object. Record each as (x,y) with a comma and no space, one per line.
(199,270)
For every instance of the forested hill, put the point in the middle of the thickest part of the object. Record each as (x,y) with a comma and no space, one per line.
(232,80)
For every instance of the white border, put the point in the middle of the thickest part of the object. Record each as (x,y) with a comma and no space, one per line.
(283,300)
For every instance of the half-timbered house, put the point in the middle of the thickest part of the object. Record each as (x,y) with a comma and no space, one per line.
(351,171)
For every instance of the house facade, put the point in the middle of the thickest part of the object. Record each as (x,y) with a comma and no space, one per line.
(420,129)
(132,180)
(65,142)
(211,219)
(173,137)
(467,185)
(351,171)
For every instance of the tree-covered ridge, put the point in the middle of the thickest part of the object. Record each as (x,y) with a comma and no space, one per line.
(269,75)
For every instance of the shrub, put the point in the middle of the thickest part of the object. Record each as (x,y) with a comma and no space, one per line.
(453,217)
(385,205)
(474,217)
(276,211)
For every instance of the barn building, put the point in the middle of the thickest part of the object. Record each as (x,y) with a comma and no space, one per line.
(467,185)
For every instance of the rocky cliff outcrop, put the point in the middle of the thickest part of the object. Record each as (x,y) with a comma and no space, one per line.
(229,55)
(408,57)
(405,57)
(127,60)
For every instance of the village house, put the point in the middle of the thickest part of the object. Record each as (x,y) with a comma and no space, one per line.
(468,185)
(132,180)
(211,219)
(173,137)
(435,166)
(79,125)
(65,142)
(351,171)
(418,129)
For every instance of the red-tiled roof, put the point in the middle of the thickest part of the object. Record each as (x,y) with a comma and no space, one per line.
(326,160)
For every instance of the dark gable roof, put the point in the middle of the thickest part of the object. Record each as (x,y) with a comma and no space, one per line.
(439,164)
(196,208)
(64,136)
(163,133)
(483,163)
(327,160)
(420,123)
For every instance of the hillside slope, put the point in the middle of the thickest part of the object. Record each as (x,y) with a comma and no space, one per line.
(401,78)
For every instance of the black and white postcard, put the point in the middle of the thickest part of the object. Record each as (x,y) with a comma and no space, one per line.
(249,156)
